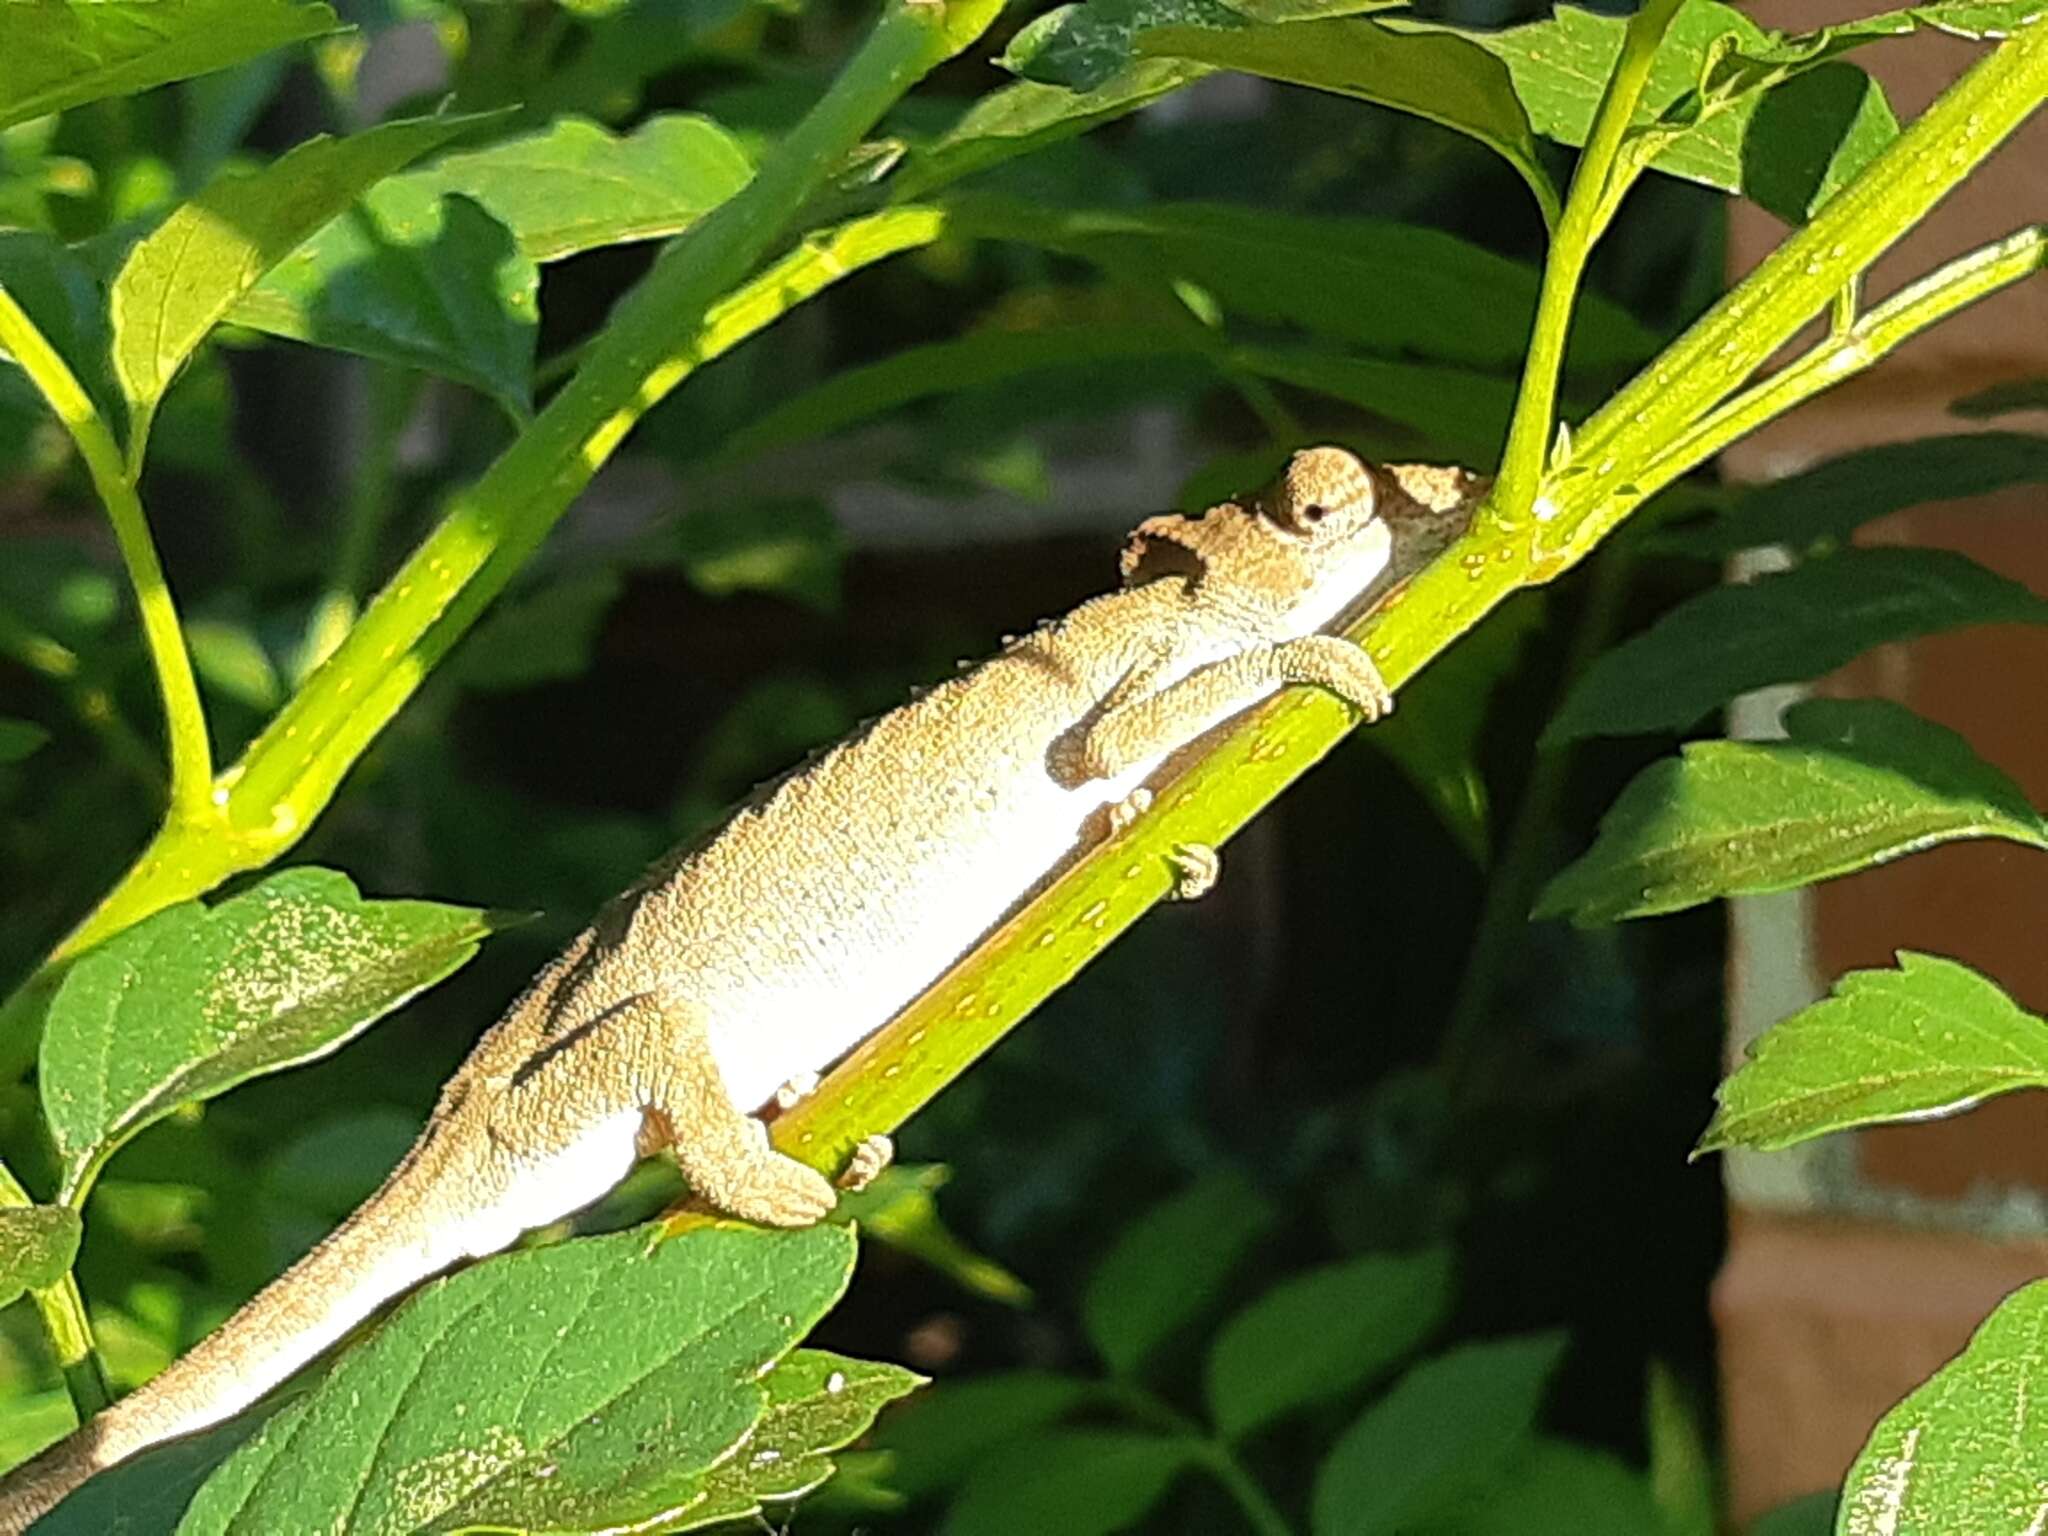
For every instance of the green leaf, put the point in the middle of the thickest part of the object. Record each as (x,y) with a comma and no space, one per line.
(1683,1480)
(1813,1515)
(1076,1482)
(1169,1265)
(590,1383)
(575,186)
(62,53)
(1446,1428)
(1925,1040)
(1460,303)
(1789,149)
(1783,628)
(1855,782)
(1463,414)
(189,1003)
(817,1403)
(2004,399)
(1082,47)
(37,1245)
(19,738)
(789,545)
(413,280)
(938,1440)
(543,636)
(1556,1488)
(62,296)
(147,1494)
(1323,1333)
(1827,503)
(184,276)
(1437,75)
(898,1208)
(1964,1453)
(1028,116)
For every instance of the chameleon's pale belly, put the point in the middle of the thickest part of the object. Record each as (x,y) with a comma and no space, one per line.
(849,927)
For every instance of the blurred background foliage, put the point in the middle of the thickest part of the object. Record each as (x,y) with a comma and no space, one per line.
(767,563)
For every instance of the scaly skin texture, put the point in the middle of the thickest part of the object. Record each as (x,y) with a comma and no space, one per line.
(758,957)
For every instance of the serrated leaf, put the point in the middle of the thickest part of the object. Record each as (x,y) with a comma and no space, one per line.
(1925,1040)
(817,1403)
(946,1433)
(1323,1333)
(1460,303)
(1168,1266)
(195,1000)
(555,1389)
(1832,500)
(1440,76)
(1790,149)
(19,739)
(575,186)
(1076,1482)
(1964,1453)
(1855,782)
(37,1246)
(538,637)
(63,53)
(184,276)
(1445,1429)
(416,281)
(1783,628)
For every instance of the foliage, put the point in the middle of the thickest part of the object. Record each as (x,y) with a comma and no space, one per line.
(939,286)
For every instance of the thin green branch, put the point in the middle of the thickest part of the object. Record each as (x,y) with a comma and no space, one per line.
(184,718)
(1599,180)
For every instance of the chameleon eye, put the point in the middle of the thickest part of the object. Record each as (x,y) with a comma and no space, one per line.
(1315,512)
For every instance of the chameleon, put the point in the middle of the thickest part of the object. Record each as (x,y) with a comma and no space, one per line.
(742,965)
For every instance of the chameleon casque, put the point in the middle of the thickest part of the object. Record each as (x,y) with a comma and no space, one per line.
(754,959)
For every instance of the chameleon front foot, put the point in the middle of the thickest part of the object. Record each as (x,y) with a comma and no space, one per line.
(796,1090)
(1196,868)
(866,1164)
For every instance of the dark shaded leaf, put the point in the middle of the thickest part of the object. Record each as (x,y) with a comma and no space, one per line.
(1076,1482)
(1323,1333)
(62,53)
(1855,782)
(1783,628)
(19,738)
(2005,399)
(1556,1488)
(1925,1040)
(542,636)
(790,546)
(1964,1452)
(1832,500)
(938,1440)
(1168,1266)
(191,1002)
(1446,1429)
(62,296)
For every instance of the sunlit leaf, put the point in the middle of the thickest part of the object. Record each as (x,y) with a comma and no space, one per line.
(1964,1453)
(1855,782)
(62,53)
(1926,1039)
(191,1002)
(37,1245)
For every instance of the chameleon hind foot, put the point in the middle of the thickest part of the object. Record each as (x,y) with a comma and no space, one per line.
(1196,868)
(866,1164)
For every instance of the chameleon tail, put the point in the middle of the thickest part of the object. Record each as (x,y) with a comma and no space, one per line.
(387,1246)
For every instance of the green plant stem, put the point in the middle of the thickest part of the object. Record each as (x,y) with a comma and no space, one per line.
(1212,1454)
(62,1310)
(184,719)
(1598,182)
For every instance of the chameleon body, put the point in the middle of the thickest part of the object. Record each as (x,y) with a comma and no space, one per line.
(759,956)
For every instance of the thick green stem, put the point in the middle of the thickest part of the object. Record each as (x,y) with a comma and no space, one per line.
(1598,182)
(62,1310)
(184,719)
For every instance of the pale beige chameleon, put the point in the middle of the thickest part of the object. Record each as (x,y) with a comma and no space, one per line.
(755,959)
